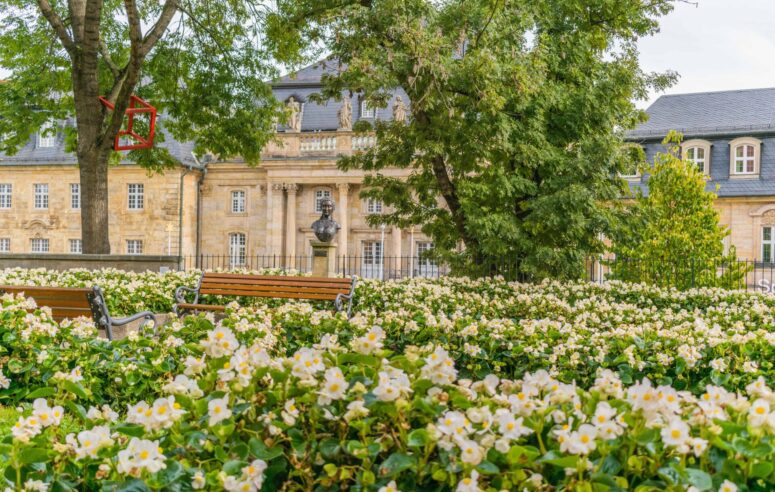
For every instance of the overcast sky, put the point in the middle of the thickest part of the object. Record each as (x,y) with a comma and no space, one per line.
(717,45)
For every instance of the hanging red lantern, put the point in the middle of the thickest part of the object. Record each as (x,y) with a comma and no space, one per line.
(137,141)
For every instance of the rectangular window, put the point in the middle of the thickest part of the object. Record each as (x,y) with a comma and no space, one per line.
(41,195)
(39,245)
(744,159)
(136,196)
(768,244)
(134,247)
(426,267)
(6,190)
(75,195)
(5,244)
(76,246)
(238,202)
(366,110)
(372,259)
(320,195)
(373,206)
(47,137)
(237,249)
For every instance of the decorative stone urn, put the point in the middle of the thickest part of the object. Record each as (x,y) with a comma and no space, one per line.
(323,250)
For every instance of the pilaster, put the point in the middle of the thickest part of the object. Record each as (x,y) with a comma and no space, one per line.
(290,224)
(343,208)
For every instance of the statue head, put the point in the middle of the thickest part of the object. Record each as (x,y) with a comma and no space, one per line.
(327,207)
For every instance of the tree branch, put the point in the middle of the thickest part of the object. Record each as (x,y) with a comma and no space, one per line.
(156,32)
(77,17)
(108,60)
(135,29)
(59,27)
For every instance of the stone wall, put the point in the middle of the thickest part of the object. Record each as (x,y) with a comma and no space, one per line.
(135,263)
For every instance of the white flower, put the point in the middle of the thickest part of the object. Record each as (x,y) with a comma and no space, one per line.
(254,472)
(470,484)
(218,410)
(719,364)
(355,410)
(46,415)
(392,385)
(307,363)
(140,454)
(727,486)
(35,485)
(751,367)
(91,441)
(290,412)
(194,365)
(509,426)
(334,386)
(758,413)
(370,342)
(454,424)
(390,487)
(439,367)
(220,342)
(470,451)
(183,385)
(198,481)
(581,441)
(676,434)
(5,383)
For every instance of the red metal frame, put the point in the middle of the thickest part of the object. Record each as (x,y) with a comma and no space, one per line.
(136,106)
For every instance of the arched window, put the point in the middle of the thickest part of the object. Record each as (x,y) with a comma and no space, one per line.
(744,156)
(697,152)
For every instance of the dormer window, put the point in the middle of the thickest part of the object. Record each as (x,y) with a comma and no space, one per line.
(745,156)
(47,137)
(366,110)
(697,152)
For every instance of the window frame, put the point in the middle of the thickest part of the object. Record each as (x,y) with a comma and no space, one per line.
(41,241)
(367,111)
(316,203)
(79,249)
(234,202)
(139,196)
(134,250)
(75,196)
(6,193)
(768,243)
(238,249)
(7,242)
(48,141)
(703,145)
(755,159)
(42,193)
(374,206)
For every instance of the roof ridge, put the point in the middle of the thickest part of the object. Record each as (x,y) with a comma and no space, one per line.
(727,91)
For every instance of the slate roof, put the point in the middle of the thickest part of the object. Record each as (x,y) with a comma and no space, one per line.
(726,187)
(735,112)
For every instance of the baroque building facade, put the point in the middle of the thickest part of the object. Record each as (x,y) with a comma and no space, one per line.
(225,212)
(730,136)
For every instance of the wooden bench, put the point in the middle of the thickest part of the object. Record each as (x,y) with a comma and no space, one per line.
(72,302)
(337,290)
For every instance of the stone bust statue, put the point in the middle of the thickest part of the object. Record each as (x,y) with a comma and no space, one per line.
(325,228)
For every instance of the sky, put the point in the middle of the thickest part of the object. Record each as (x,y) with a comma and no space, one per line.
(715,45)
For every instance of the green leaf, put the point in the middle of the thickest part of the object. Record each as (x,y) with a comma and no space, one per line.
(33,455)
(395,464)
(762,469)
(43,392)
(329,447)
(553,458)
(76,389)
(260,451)
(488,468)
(418,438)
(132,430)
(699,479)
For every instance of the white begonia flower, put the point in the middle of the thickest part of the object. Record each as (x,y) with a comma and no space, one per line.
(290,412)
(140,454)
(355,410)
(46,415)
(254,472)
(759,388)
(581,441)
(370,342)
(727,486)
(509,426)
(35,485)
(390,487)
(454,424)
(751,366)
(218,410)
(439,367)
(334,386)
(183,385)
(307,363)
(677,435)
(470,451)
(719,365)
(469,484)
(758,413)
(198,480)
(89,442)
(5,383)
(194,365)
(220,342)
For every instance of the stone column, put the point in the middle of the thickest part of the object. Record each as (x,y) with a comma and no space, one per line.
(274,226)
(290,225)
(395,251)
(344,217)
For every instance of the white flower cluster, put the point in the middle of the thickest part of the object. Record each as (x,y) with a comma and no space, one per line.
(42,416)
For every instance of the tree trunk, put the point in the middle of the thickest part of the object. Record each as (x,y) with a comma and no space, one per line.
(94,202)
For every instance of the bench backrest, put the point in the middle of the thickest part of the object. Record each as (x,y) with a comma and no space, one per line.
(230,284)
(65,302)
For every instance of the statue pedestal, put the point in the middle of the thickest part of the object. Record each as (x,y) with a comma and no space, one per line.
(323,258)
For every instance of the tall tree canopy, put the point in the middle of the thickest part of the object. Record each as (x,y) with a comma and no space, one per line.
(518,109)
(201,62)
(672,236)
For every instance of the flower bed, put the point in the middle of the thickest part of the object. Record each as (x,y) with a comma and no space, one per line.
(453,384)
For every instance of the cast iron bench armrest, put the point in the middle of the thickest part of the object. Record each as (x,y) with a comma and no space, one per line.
(179,294)
(339,305)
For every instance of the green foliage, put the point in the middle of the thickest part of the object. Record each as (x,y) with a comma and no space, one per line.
(672,235)
(517,110)
(207,74)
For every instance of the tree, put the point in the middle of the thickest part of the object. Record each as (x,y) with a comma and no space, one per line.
(201,62)
(672,236)
(517,115)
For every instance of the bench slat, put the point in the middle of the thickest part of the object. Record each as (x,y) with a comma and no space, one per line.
(229,283)
(65,303)
(273,288)
(54,293)
(284,295)
(202,307)
(278,278)
(65,313)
